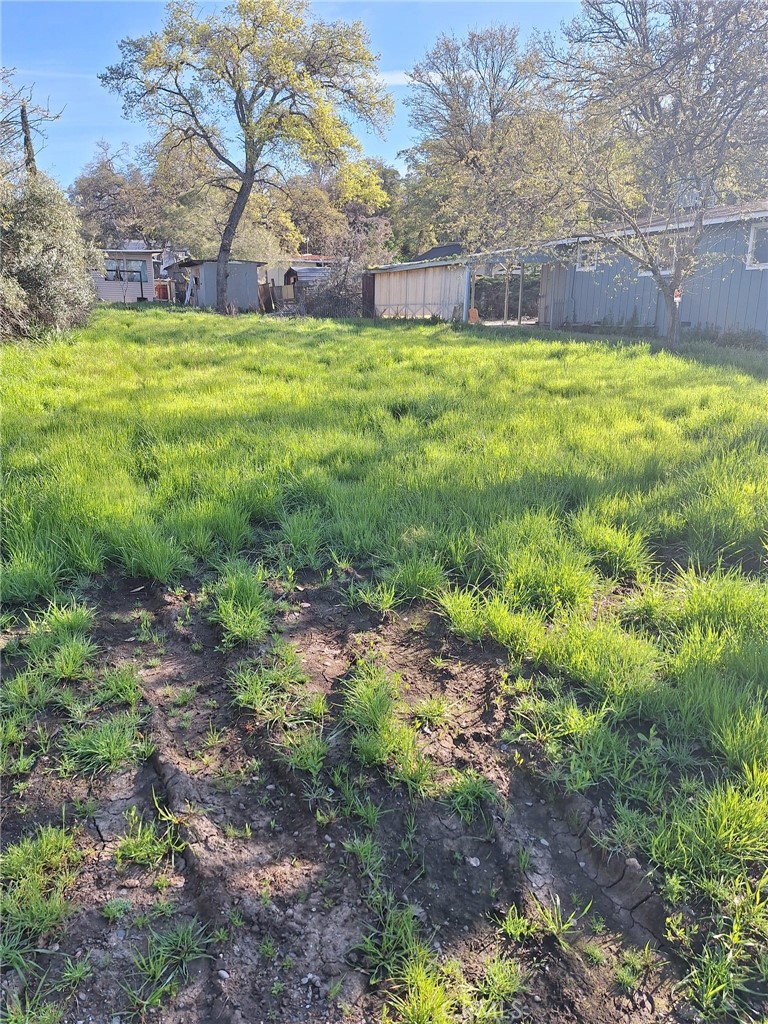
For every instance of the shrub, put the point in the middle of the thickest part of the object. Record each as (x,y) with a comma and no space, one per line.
(44,280)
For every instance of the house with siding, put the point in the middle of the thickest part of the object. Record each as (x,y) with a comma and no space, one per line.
(727,292)
(129,274)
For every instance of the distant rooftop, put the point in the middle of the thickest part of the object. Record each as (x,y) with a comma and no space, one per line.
(307,257)
(439,252)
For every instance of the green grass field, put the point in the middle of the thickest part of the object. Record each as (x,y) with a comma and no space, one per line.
(600,511)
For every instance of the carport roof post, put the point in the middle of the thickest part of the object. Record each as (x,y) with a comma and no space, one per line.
(467,292)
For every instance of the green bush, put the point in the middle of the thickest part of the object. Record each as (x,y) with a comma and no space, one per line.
(44,278)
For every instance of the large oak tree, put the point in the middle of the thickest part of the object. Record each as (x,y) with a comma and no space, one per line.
(260,85)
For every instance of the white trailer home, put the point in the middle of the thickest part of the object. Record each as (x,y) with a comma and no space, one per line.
(129,275)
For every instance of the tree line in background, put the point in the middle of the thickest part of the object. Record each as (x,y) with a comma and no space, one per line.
(642,110)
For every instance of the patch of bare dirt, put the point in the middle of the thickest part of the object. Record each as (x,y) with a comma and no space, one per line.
(258,862)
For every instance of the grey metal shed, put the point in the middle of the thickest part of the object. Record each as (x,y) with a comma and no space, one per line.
(728,292)
(242,282)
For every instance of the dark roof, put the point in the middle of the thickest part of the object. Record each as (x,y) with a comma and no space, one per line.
(439,252)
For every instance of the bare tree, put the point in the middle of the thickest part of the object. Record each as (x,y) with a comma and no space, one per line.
(483,122)
(21,121)
(115,198)
(667,102)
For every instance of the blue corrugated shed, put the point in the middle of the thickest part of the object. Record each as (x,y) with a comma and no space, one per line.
(727,292)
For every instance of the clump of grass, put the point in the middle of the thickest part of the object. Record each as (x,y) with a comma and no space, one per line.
(617,551)
(502,979)
(468,793)
(305,750)
(111,743)
(432,712)
(594,954)
(380,738)
(27,692)
(464,612)
(368,854)
(164,967)
(553,922)
(146,551)
(147,842)
(36,873)
(632,967)
(517,926)
(301,535)
(70,661)
(62,621)
(537,565)
(607,661)
(417,576)
(370,697)
(394,942)
(116,909)
(272,687)
(119,686)
(31,570)
(243,604)
(427,997)
(722,833)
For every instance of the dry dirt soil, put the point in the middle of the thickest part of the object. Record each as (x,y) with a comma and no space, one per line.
(290,897)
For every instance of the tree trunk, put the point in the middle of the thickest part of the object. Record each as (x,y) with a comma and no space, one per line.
(227,238)
(673,319)
(29,149)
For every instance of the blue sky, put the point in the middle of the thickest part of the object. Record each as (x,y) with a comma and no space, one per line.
(61,46)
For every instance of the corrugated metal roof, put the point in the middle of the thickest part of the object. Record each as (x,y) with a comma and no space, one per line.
(389,268)
(716,215)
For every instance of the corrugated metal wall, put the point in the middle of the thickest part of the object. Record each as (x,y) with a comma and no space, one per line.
(242,285)
(420,293)
(722,295)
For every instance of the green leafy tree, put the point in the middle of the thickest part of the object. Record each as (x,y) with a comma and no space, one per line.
(258,84)
(44,266)
(479,174)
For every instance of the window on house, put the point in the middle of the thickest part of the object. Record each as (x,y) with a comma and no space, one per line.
(757,257)
(586,257)
(126,270)
(663,248)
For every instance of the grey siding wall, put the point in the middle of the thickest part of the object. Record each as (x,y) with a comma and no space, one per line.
(242,285)
(723,294)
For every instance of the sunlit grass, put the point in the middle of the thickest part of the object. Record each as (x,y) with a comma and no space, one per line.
(600,511)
